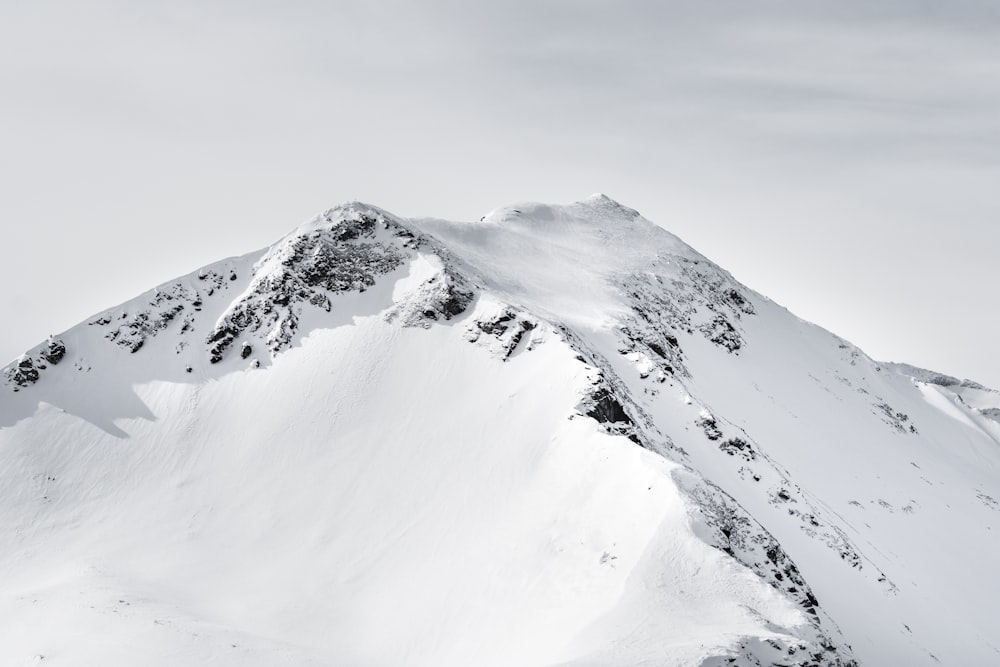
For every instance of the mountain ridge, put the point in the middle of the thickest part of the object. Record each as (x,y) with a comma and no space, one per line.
(669,352)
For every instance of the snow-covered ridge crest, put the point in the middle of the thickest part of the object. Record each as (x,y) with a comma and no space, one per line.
(596,209)
(561,410)
(594,248)
(345,249)
(983,401)
(258,300)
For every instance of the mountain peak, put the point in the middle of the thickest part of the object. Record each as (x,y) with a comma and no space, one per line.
(350,211)
(607,205)
(597,209)
(559,436)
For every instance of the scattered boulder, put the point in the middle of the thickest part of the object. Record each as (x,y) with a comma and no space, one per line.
(54,351)
(710,427)
(23,373)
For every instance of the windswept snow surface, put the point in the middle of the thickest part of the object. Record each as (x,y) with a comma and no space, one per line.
(554,436)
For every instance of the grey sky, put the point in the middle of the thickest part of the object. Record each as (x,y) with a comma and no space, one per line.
(840,157)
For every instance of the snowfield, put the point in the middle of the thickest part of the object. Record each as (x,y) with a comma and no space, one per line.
(554,436)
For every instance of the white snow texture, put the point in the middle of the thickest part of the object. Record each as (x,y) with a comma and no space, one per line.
(554,436)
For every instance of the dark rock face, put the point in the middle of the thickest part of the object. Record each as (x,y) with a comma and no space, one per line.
(508,327)
(333,263)
(700,299)
(28,370)
(498,325)
(738,447)
(732,530)
(23,373)
(710,427)
(54,351)
(721,332)
(444,296)
(346,253)
(606,409)
(131,329)
(136,329)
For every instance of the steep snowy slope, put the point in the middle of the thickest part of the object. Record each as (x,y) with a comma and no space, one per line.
(554,436)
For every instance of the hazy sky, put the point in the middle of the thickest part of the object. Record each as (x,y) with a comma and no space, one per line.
(840,157)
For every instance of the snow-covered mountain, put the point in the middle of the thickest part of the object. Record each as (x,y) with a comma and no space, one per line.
(554,436)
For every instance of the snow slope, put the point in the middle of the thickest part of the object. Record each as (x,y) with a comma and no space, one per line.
(554,436)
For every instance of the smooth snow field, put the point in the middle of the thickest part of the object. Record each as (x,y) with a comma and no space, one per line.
(411,470)
(380,496)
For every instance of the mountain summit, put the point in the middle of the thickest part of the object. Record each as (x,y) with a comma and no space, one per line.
(557,435)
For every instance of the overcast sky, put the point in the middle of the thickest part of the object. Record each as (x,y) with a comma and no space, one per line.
(840,157)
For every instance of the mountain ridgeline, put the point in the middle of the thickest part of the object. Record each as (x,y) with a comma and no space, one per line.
(554,436)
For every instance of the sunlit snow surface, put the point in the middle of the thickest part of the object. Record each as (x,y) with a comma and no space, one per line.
(395,460)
